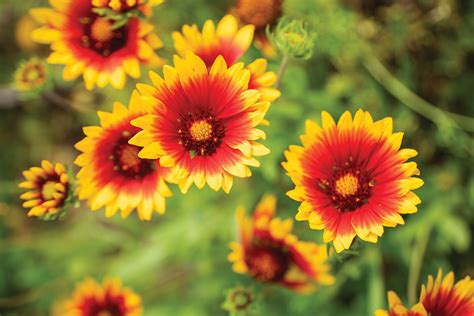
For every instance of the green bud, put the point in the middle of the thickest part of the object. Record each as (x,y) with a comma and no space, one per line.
(240,301)
(293,38)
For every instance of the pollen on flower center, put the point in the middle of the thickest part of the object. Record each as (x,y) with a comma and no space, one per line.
(48,190)
(201,130)
(104,313)
(267,263)
(101,30)
(347,185)
(100,36)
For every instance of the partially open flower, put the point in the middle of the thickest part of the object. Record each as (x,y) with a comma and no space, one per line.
(106,299)
(49,189)
(271,254)
(396,308)
(31,75)
(90,44)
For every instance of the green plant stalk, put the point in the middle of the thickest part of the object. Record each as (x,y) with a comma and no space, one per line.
(419,249)
(281,71)
(376,288)
(413,101)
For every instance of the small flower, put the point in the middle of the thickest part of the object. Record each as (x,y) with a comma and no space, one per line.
(112,174)
(396,308)
(31,75)
(271,254)
(293,38)
(240,301)
(260,14)
(106,299)
(49,189)
(89,44)
(352,178)
(203,123)
(227,40)
(441,297)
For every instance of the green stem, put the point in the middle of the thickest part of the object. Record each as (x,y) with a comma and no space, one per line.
(281,71)
(413,101)
(376,286)
(416,262)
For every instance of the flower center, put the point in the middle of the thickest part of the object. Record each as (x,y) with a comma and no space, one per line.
(201,130)
(200,133)
(347,185)
(100,36)
(267,263)
(349,188)
(105,313)
(259,13)
(126,160)
(48,190)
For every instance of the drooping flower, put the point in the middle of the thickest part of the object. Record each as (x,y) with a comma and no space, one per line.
(49,189)
(31,75)
(231,43)
(108,298)
(121,6)
(268,251)
(203,123)
(441,297)
(352,178)
(88,44)
(396,308)
(259,14)
(112,174)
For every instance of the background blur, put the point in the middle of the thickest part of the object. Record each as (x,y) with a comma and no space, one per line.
(412,60)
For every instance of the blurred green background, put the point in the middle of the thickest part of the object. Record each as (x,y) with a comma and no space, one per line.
(412,60)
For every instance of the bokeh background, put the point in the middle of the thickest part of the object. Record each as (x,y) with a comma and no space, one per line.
(412,60)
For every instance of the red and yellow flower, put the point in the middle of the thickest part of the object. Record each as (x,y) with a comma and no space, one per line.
(441,297)
(203,123)
(88,44)
(268,251)
(108,298)
(396,308)
(144,6)
(230,42)
(259,14)
(352,179)
(49,188)
(112,174)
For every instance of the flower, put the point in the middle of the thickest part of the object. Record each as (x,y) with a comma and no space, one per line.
(271,254)
(127,5)
(441,297)
(49,189)
(396,308)
(231,43)
(226,40)
(31,75)
(88,44)
(202,122)
(112,175)
(259,14)
(108,298)
(352,178)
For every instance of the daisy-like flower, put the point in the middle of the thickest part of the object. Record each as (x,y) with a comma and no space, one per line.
(259,14)
(121,6)
(202,122)
(88,44)
(112,175)
(231,43)
(31,75)
(49,188)
(396,308)
(271,254)
(352,178)
(441,297)
(107,299)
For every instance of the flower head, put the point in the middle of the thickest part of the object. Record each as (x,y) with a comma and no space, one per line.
(352,178)
(271,254)
(108,298)
(31,75)
(112,174)
(441,297)
(89,44)
(49,189)
(203,123)
(396,308)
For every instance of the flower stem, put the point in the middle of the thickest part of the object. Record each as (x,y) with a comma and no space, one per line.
(416,261)
(281,71)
